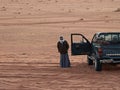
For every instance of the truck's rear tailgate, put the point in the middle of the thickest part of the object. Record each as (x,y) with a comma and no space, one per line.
(112,51)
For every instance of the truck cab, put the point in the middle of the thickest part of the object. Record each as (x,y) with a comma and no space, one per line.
(103,48)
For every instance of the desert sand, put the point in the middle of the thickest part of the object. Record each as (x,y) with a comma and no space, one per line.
(29,31)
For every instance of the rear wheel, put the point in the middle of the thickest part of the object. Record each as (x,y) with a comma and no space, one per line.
(98,65)
(90,62)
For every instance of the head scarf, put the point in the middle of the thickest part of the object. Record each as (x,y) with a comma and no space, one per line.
(61,39)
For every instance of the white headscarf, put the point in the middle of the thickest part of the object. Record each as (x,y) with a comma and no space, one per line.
(61,39)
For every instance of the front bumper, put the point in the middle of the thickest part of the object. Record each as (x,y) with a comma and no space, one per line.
(110,61)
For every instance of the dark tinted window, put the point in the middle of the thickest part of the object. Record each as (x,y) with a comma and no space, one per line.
(110,37)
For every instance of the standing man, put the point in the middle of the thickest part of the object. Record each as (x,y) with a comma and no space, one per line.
(63,47)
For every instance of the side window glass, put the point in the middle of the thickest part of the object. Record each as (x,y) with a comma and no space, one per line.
(108,37)
(79,39)
(114,37)
(119,37)
(94,39)
(102,37)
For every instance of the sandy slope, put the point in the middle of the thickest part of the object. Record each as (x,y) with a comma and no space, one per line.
(29,30)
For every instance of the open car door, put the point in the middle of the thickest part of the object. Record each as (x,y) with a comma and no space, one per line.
(80,45)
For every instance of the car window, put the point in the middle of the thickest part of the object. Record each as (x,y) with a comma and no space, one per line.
(94,38)
(79,39)
(115,37)
(102,36)
(108,37)
(119,37)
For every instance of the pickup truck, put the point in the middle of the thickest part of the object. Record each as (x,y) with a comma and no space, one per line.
(103,48)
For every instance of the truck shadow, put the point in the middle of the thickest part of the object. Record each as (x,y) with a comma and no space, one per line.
(111,67)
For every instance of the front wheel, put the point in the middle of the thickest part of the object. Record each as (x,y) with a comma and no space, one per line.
(98,65)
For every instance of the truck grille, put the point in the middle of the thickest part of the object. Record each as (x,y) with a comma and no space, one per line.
(112,53)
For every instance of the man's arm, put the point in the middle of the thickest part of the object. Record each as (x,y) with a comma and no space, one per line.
(67,45)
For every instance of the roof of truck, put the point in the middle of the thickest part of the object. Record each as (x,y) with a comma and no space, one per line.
(106,32)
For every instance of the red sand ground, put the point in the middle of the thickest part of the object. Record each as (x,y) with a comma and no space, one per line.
(29,31)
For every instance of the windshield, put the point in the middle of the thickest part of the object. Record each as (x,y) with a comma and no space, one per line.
(109,37)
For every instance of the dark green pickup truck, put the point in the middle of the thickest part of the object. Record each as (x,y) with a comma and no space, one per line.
(103,48)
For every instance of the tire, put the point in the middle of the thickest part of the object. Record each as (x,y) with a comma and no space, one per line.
(98,65)
(90,62)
